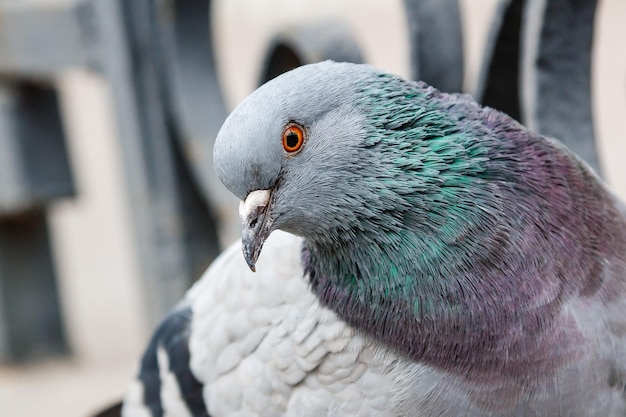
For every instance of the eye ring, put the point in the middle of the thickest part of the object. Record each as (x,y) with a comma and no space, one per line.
(293,138)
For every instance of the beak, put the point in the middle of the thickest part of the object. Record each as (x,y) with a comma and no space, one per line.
(254,213)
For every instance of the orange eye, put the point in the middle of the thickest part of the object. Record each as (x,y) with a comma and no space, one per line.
(293,138)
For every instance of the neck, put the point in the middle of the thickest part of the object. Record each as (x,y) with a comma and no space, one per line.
(475,295)
(455,318)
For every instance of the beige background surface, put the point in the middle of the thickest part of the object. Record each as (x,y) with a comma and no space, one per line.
(95,253)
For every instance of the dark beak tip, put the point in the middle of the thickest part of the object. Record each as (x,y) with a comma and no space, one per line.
(249,261)
(251,264)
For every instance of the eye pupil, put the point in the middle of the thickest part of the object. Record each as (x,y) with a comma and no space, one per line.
(292,140)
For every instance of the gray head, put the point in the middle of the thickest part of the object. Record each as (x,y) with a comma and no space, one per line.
(287,147)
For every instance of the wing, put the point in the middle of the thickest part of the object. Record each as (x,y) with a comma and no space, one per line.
(259,344)
(165,381)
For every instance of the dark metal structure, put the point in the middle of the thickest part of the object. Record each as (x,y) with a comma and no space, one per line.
(539,69)
(436,42)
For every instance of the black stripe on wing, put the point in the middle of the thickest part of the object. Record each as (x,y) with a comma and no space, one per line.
(173,335)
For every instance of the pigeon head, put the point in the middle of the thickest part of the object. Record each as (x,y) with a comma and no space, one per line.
(291,153)
(344,154)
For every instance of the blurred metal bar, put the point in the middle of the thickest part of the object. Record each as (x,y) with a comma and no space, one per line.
(29,304)
(194,98)
(34,170)
(498,85)
(34,167)
(41,39)
(556,73)
(436,42)
(174,227)
(538,69)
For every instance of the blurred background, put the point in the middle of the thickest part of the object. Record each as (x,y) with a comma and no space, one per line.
(109,209)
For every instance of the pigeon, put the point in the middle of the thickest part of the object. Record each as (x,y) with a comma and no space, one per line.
(416,255)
